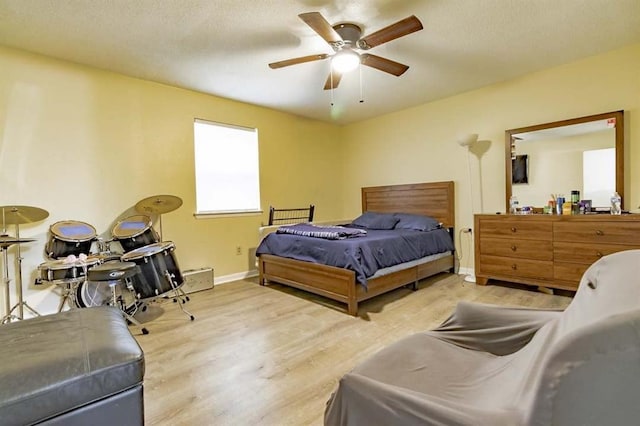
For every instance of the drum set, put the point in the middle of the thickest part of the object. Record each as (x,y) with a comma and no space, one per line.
(144,270)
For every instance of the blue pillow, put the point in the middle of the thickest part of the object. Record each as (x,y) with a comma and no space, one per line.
(416,222)
(372,220)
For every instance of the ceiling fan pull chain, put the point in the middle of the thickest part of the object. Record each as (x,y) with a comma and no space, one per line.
(331,77)
(361,95)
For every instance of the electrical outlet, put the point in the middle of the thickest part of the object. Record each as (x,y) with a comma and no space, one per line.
(238,250)
(467,230)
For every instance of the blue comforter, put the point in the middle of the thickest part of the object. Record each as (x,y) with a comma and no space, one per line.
(365,254)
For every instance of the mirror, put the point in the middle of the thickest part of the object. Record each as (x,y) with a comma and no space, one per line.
(584,154)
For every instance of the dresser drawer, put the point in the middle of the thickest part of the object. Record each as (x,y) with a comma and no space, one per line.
(516,267)
(618,232)
(584,252)
(569,272)
(528,249)
(521,229)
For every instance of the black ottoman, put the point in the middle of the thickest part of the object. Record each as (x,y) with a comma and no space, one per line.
(76,367)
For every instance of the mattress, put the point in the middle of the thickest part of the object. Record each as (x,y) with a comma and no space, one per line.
(365,255)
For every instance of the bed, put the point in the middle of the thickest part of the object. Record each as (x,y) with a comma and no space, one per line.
(435,199)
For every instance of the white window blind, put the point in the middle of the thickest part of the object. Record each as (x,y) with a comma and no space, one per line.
(227,168)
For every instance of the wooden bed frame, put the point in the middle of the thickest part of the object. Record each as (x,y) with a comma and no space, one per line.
(434,199)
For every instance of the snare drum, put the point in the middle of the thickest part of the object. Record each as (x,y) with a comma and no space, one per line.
(134,232)
(59,272)
(159,270)
(69,237)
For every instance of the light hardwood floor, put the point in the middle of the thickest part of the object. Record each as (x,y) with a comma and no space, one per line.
(273,355)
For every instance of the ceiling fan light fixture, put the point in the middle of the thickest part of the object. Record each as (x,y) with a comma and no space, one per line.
(345,60)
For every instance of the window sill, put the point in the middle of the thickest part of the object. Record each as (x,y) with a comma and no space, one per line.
(217,215)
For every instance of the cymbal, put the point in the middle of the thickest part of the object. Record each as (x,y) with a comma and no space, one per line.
(16,215)
(6,240)
(159,204)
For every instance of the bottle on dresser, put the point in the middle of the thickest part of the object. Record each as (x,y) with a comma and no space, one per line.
(513,205)
(616,204)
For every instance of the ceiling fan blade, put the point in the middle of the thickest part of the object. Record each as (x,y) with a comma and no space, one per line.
(334,76)
(320,25)
(392,32)
(383,64)
(300,60)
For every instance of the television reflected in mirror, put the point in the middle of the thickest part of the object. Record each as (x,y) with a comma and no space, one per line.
(520,169)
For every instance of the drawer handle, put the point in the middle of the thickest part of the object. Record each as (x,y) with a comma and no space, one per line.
(513,229)
(599,232)
(598,254)
(514,266)
(514,248)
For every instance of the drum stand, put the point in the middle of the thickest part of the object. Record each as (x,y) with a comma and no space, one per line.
(68,293)
(180,295)
(21,303)
(176,294)
(177,291)
(118,302)
(7,293)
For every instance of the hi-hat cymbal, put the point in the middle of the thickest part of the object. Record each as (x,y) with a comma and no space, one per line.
(17,215)
(159,204)
(6,240)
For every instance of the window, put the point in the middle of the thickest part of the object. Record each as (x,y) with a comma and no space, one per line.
(227,168)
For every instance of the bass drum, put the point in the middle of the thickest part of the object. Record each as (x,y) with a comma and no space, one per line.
(98,293)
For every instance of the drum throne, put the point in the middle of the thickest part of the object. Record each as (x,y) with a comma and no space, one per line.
(117,276)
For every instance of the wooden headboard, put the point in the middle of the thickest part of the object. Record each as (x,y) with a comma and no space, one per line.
(435,199)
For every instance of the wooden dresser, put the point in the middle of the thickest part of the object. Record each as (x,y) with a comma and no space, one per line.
(548,250)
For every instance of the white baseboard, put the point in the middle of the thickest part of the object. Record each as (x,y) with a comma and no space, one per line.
(235,277)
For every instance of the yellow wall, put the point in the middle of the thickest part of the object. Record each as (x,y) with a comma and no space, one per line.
(87,145)
(419,144)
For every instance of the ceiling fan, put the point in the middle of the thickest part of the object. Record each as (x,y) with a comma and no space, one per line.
(346,41)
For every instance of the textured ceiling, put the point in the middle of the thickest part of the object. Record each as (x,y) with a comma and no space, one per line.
(222,47)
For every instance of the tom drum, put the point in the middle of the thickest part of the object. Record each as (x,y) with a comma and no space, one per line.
(159,270)
(134,232)
(69,237)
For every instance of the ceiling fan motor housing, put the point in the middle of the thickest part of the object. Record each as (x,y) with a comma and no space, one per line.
(350,34)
